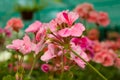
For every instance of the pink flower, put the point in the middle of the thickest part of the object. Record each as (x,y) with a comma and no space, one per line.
(84,9)
(39,46)
(8,33)
(16,44)
(87,6)
(93,34)
(76,30)
(53,25)
(81,53)
(34,27)
(92,17)
(111,45)
(67,17)
(41,33)
(85,44)
(40,39)
(49,54)
(24,46)
(105,57)
(27,46)
(45,68)
(15,23)
(97,46)
(82,42)
(39,29)
(103,19)
(108,61)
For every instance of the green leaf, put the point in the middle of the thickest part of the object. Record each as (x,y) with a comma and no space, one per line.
(8,77)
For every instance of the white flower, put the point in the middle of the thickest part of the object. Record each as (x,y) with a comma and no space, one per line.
(4,56)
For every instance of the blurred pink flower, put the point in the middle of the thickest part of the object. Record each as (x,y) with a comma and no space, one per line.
(34,27)
(45,68)
(97,46)
(67,17)
(8,33)
(66,68)
(92,17)
(108,61)
(103,19)
(93,34)
(105,57)
(111,44)
(76,30)
(84,9)
(15,23)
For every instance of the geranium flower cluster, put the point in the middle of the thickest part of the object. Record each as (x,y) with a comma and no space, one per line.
(56,42)
(87,12)
(106,53)
(60,43)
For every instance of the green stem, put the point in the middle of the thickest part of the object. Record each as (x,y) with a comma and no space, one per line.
(32,67)
(90,65)
(85,23)
(21,67)
(17,35)
(62,60)
(17,62)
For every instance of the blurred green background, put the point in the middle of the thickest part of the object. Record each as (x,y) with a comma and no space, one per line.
(51,7)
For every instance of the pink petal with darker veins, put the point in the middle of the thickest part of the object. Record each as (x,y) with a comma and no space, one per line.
(77,30)
(64,32)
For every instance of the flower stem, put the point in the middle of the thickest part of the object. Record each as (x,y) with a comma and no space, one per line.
(32,67)
(90,66)
(21,67)
(85,23)
(62,67)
